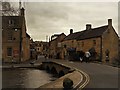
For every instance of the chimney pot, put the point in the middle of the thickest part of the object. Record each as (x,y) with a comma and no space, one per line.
(109,22)
(71,31)
(88,26)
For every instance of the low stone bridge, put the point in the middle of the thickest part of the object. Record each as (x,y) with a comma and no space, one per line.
(55,68)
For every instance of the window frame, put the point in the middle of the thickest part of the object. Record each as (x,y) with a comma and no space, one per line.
(94,42)
(11,22)
(10,36)
(82,44)
(9,51)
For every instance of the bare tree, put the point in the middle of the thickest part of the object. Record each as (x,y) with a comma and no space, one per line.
(8,10)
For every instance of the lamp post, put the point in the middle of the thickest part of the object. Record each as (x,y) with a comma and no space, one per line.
(46,51)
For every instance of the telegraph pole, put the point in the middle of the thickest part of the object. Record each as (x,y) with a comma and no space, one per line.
(46,38)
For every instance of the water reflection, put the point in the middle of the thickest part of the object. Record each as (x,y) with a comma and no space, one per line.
(24,78)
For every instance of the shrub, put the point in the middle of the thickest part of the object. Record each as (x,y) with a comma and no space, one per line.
(116,62)
(67,83)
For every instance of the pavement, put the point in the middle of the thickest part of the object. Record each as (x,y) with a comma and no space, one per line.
(101,75)
(75,76)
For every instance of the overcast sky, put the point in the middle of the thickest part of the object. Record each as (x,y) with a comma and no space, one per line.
(48,18)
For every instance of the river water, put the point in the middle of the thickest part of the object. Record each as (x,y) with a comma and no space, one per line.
(25,78)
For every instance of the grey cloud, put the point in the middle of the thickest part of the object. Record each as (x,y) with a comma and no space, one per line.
(48,10)
(49,18)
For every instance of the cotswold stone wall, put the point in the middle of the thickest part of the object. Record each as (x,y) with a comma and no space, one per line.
(87,44)
(55,68)
(110,42)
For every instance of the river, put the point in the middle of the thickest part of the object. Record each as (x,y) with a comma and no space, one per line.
(25,78)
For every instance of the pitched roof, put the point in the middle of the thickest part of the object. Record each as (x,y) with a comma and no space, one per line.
(27,35)
(85,34)
(73,36)
(58,35)
(95,32)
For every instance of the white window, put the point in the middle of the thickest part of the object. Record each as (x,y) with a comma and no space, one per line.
(11,22)
(9,51)
(9,35)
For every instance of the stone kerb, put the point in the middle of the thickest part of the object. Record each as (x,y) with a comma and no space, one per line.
(75,76)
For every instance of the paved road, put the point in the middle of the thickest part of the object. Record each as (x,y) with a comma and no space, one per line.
(101,76)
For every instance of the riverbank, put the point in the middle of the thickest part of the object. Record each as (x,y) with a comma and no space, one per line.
(75,76)
(24,78)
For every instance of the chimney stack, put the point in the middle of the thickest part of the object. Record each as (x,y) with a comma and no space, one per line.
(88,26)
(71,31)
(22,11)
(109,22)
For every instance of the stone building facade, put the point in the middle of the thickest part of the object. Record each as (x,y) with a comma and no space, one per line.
(41,47)
(119,49)
(104,40)
(32,49)
(38,48)
(55,47)
(15,40)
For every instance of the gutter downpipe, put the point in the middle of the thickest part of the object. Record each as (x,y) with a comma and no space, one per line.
(20,45)
(101,56)
(21,22)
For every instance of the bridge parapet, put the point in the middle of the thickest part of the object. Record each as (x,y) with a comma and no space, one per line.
(56,68)
(79,78)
